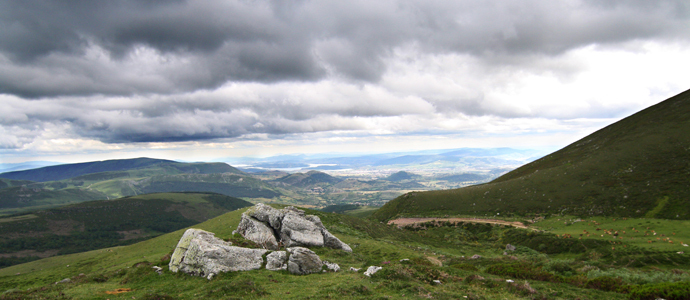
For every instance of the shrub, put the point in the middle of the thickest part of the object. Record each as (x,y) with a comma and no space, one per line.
(668,291)
(463,266)
(606,283)
(560,267)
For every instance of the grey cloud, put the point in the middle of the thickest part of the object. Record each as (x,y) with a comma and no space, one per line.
(271,41)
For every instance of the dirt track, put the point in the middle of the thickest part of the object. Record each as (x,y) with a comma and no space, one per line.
(409,221)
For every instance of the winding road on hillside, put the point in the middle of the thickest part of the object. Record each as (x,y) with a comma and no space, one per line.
(410,221)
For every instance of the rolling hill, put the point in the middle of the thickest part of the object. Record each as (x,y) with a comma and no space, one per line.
(311,178)
(99,224)
(637,167)
(113,179)
(66,171)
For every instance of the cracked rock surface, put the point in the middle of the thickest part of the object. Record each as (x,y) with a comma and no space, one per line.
(289,226)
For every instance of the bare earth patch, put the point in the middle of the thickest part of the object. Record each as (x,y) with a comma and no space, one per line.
(411,221)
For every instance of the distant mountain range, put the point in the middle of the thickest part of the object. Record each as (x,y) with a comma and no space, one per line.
(9,167)
(637,167)
(472,158)
(66,171)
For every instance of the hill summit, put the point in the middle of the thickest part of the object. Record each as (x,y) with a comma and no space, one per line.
(637,167)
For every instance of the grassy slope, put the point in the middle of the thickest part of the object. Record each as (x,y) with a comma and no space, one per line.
(639,166)
(98,224)
(373,243)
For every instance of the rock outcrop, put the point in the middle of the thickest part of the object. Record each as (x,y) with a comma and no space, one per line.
(200,253)
(289,227)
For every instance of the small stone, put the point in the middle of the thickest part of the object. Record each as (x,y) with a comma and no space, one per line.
(66,280)
(353,269)
(372,270)
(437,281)
(510,247)
(476,256)
(332,266)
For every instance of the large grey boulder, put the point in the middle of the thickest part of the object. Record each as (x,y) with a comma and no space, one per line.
(290,228)
(276,261)
(256,231)
(264,213)
(298,231)
(303,261)
(200,253)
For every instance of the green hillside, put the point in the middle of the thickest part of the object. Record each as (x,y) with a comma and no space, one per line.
(637,167)
(66,171)
(309,179)
(99,224)
(4,183)
(28,197)
(134,177)
(413,258)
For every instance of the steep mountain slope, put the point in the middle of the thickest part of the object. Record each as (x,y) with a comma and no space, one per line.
(60,172)
(98,224)
(639,166)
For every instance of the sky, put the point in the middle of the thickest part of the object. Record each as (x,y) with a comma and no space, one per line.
(201,80)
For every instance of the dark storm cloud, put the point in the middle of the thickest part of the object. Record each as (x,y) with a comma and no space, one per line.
(272,41)
(166,71)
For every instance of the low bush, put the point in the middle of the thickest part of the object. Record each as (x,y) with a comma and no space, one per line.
(463,266)
(606,283)
(668,291)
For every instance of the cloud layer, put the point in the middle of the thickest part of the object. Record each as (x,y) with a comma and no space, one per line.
(149,71)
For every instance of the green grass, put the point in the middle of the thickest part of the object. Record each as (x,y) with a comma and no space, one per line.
(635,167)
(638,232)
(362,211)
(553,276)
